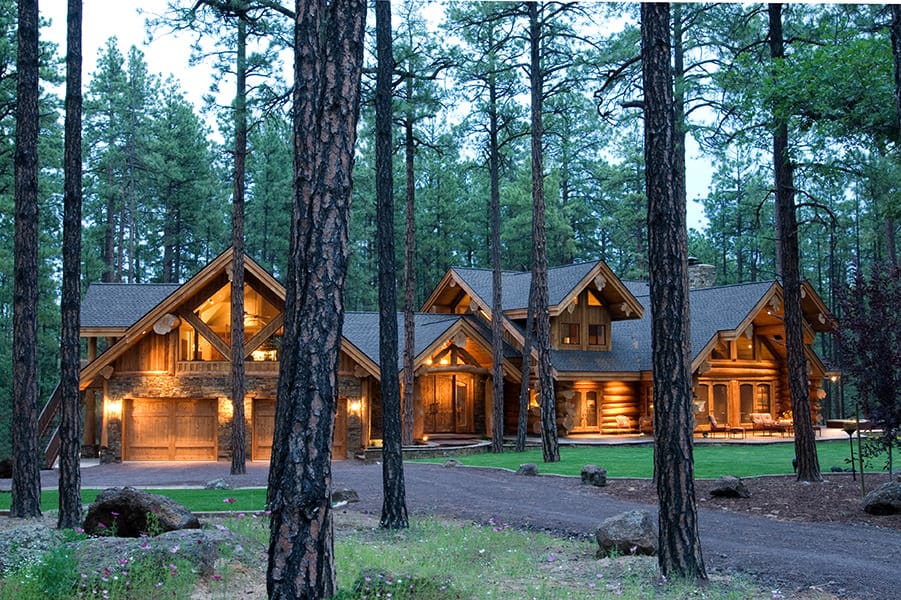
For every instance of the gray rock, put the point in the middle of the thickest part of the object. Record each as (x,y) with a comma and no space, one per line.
(884,500)
(200,547)
(452,462)
(633,532)
(594,475)
(26,543)
(528,469)
(729,486)
(217,484)
(128,512)
(344,495)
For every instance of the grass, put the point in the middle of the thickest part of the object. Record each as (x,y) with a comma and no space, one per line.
(243,499)
(711,460)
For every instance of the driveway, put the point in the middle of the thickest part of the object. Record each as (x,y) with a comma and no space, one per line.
(852,561)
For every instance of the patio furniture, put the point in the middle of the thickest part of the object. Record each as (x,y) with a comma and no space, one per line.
(726,430)
(764,423)
(623,424)
(646,425)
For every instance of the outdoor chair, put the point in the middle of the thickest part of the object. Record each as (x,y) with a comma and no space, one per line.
(726,430)
(623,424)
(646,425)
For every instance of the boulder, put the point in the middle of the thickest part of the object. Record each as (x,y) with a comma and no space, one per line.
(6,468)
(128,512)
(528,469)
(217,484)
(594,475)
(729,486)
(633,532)
(884,500)
(344,495)
(452,462)
(27,543)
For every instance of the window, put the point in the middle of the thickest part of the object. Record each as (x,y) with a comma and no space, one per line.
(762,402)
(746,401)
(720,401)
(702,398)
(597,334)
(745,348)
(569,333)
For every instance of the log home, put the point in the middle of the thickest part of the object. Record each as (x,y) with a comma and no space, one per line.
(160,387)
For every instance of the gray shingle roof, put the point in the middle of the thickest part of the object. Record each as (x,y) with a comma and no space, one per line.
(362,330)
(713,310)
(121,304)
(515,285)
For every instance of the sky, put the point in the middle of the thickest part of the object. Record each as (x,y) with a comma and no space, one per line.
(168,54)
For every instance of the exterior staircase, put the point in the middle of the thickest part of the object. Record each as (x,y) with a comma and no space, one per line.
(48,428)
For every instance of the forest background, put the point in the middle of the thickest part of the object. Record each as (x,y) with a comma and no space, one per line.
(157,166)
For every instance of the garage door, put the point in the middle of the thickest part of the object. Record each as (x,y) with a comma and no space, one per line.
(170,429)
(264,429)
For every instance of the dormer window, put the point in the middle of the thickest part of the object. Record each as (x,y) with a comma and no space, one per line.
(597,334)
(570,334)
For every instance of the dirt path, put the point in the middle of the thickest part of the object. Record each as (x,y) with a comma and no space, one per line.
(848,560)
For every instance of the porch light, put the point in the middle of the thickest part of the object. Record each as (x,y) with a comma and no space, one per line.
(354,407)
(112,409)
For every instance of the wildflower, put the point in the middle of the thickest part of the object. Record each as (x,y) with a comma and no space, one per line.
(217,577)
(551,558)
(777,595)
(633,549)
(114,513)
(101,525)
(221,527)
(229,500)
(174,549)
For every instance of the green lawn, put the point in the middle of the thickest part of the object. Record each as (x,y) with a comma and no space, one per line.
(711,461)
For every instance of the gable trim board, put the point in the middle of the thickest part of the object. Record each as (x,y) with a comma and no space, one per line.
(455,319)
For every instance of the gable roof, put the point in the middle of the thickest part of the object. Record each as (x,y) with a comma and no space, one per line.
(564,284)
(217,268)
(713,310)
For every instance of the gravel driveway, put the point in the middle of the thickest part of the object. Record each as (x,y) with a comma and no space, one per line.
(852,561)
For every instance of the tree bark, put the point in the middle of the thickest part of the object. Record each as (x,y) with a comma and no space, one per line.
(547,399)
(523,420)
(679,541)
(394,506)
(787,234)
(26,477)
(70,427)
(328,50)
(239,432)
(892,248)
(497,307)
(409,271)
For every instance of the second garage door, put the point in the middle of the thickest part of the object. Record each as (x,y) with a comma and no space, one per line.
(170,429)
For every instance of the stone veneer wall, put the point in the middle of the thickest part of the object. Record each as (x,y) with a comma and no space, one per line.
(167,386)
(211,386)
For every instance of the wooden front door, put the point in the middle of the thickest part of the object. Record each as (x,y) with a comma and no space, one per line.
(448,404)
(263,421)
(170,429)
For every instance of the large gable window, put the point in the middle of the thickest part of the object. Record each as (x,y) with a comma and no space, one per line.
(205,332)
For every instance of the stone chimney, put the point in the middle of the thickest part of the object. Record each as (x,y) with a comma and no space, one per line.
(700,275)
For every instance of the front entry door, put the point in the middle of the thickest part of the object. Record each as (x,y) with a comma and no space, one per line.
(448,404)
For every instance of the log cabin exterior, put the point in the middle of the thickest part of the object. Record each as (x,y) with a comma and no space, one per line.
(160,389)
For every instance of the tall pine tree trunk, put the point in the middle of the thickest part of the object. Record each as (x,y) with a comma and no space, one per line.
(787,234)
(26,476)
(70,427)
(892,248)
(394,505)
(547,399)
(497,310)
(239,436)
(409,272)
(679,541)
(328,51)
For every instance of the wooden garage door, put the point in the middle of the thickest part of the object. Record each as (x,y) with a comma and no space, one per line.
(170,429)
(264,429)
